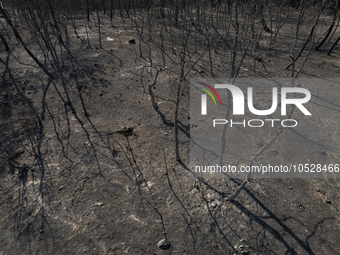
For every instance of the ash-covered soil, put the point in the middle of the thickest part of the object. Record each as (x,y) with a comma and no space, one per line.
(108,182)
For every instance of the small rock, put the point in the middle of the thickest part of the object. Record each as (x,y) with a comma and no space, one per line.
(61,187)
(164,244)
(99,203)
(200,71)
(328,201)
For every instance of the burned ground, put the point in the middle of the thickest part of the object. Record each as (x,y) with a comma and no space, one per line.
(100,173)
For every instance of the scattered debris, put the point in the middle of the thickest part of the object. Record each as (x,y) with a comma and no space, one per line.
(242,249)
(126,131)
(322,192)
(23,168)
(267,29)
(132,41)
(328,201)
(164,244)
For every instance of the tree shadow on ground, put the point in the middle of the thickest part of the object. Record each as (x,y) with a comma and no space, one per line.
(251,215)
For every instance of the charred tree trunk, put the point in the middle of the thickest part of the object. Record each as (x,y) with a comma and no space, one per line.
(55,22)
(336,42)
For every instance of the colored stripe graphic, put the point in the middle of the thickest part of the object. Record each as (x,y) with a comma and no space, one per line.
(213,90)
(209,95)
